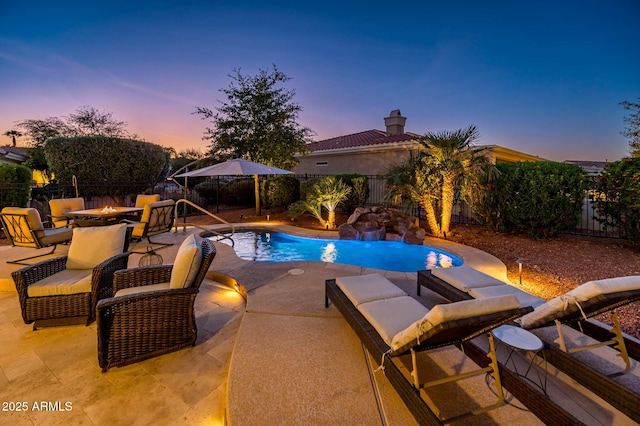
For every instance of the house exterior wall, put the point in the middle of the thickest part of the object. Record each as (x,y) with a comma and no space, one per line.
(363,161)
(374,161)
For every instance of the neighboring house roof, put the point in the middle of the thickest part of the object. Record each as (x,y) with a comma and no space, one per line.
(368,138)
(13,155)
(591,167)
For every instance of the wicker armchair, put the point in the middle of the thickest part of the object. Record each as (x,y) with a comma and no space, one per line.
(150,321)
(73,307)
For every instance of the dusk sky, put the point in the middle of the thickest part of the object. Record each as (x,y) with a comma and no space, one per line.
(542,77)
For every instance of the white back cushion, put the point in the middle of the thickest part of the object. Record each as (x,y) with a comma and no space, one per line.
(450,312)
(187,263)
(93,245)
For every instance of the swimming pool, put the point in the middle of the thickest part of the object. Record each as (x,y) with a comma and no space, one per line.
(272,246)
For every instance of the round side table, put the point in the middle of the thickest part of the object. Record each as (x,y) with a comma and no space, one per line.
(519,339)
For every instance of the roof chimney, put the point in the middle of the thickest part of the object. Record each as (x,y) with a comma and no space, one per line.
(395,122)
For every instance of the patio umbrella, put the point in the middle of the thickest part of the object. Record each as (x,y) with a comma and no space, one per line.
(238,167)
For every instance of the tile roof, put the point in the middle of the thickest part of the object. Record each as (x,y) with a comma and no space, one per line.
(366,138)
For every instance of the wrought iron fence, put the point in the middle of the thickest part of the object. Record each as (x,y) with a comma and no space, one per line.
(222,193)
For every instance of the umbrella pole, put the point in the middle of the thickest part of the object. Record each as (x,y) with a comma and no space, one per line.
(257,181)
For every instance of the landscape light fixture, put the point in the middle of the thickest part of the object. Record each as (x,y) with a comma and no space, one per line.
(520,262)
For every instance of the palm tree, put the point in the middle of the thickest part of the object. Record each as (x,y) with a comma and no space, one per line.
(13,134)
(445,159)
(328,192)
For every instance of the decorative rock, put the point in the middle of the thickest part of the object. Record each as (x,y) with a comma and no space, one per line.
(379,223)
(347,232)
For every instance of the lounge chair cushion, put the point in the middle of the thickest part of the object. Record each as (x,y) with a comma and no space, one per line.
(579,294)
(465,277)
(53,236)
(524,298)
(451,312)
(67,281)
(93,245)
(142,289)
(367,288)
(187,263)
(390,316)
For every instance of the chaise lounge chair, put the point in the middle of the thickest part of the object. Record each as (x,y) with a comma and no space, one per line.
(572,309)
(390,324)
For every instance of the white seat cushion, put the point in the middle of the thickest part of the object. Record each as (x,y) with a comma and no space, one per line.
(465,277)
(524,298)
(142,289)
(93,245)
(390,316)
(187,263)
(367,288)
(579,294)
(450,312)
(67,281)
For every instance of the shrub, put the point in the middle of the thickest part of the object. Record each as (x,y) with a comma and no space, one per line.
(15,185)
(359,191)
(207,190)
(240,192)
(307,187)
(280,191)
(103,160)
(538,198)
(619,205)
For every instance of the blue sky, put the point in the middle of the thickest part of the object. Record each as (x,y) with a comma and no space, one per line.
(543,77)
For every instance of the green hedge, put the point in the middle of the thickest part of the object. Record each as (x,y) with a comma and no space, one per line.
(280,191)
(103,160)
(618,197)
(15,185)
(359,194)
(537,198)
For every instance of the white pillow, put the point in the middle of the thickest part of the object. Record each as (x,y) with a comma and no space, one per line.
(91,246)
(187,263)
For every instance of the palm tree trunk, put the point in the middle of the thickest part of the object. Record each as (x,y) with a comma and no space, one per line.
(432,221)
(448,194)
(331,221)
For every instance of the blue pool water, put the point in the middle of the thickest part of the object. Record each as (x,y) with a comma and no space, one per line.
(270,246)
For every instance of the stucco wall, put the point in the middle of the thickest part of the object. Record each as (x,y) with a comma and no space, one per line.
(366,163)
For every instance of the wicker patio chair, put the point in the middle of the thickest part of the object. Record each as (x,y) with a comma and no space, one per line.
(65,290)
(60,206)
(152,312)
(24,228)
(373,308)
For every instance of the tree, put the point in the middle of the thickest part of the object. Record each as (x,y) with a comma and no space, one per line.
(632,130)
(87,121)
(257,122)
(445,160)
(13,134)
(327,192)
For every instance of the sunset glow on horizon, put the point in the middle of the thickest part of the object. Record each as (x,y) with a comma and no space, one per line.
(545,78)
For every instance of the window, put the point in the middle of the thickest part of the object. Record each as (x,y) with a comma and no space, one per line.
(322,163)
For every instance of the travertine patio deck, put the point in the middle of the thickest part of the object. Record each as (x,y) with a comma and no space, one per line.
(280,359)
